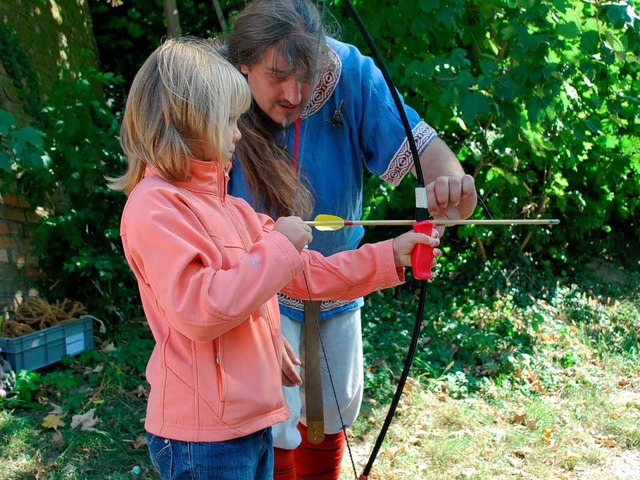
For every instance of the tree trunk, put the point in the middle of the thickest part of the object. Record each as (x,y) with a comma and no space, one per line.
(44,43)
(173,20)
(220,15)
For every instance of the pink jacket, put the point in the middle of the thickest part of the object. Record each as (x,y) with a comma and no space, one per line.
(208,268)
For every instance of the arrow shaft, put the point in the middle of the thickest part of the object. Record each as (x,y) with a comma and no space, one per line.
(373,223)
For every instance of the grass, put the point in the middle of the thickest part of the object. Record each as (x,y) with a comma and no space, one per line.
(568,408)
(508,384)
(108,381)
(566,433)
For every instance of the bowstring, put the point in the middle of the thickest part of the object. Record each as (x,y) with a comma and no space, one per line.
(420,212)
(321,7)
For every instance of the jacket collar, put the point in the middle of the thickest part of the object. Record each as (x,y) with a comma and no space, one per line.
(206,177)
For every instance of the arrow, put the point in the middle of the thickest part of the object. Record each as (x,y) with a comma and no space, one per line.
(327,223)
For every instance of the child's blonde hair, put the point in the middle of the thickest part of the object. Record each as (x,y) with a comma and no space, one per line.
(184,94)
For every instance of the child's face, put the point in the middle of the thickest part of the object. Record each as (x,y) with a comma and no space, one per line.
(231,136)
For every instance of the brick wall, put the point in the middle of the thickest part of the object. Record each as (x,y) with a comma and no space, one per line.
(18,266)
(52,36)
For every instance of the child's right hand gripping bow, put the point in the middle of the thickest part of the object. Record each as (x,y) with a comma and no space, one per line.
(422,255)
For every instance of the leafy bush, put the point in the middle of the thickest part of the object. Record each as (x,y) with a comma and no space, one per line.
(539,100)
(78,240)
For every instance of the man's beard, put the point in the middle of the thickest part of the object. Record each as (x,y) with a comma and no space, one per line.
(291,117)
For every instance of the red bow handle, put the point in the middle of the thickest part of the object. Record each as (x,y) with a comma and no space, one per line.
(422,255)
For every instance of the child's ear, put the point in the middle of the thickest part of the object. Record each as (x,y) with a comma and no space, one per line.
(245,69)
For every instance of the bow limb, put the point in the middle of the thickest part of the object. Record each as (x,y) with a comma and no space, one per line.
(421,215)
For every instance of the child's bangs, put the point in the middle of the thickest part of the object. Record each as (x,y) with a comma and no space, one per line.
(239,93)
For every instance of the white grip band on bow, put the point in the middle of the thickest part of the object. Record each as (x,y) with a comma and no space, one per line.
(421,197)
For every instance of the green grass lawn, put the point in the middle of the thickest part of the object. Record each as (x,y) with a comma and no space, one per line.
(509,382)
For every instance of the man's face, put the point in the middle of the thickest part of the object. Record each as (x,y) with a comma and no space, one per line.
(281,94)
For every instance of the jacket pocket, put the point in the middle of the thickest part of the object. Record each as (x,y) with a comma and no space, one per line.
(250,370)
(161,454)
(217,355)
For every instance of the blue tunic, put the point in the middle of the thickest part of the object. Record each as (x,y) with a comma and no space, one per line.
(332,154)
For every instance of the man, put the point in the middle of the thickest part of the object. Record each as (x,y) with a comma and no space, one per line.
(321,113)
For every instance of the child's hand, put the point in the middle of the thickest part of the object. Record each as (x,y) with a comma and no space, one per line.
(404,244)
(298,232)
(290,375)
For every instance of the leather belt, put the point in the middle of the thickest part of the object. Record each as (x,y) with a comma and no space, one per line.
(312,377)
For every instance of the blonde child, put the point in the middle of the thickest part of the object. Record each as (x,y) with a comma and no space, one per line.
(209,268)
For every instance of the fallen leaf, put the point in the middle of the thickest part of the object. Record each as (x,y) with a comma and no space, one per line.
(53,421)
(519,418)
(57,440)
(98,368)
(141,392)
(523,452)
(535,382)
(606,442)
(86,421)
(56,410)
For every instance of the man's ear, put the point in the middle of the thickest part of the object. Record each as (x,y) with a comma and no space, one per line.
(245,69)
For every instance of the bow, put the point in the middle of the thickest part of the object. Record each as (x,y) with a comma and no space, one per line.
(421,215)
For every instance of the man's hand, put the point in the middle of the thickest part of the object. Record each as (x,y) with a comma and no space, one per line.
(451,198)
(451,195)
(290,375)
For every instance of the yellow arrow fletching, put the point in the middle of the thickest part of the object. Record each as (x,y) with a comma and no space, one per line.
(330,223)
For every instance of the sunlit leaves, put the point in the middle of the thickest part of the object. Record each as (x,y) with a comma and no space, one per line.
(552,83)
(21,147)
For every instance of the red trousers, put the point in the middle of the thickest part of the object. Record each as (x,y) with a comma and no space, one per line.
(310,461)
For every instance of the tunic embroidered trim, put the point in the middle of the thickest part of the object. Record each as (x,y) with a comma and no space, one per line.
(326,85)
(298,305)
(402,161)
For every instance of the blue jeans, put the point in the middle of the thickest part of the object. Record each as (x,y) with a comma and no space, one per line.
(244,458)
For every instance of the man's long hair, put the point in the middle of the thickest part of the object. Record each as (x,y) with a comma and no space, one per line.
(294,29)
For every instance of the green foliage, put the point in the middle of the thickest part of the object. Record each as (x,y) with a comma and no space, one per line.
(108,380)
(121,361)
(22,149)
(127,34)
(24,391)
(79,239)
(539,99)
(543,358)
(59,163)
(517,328)
(16,63)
